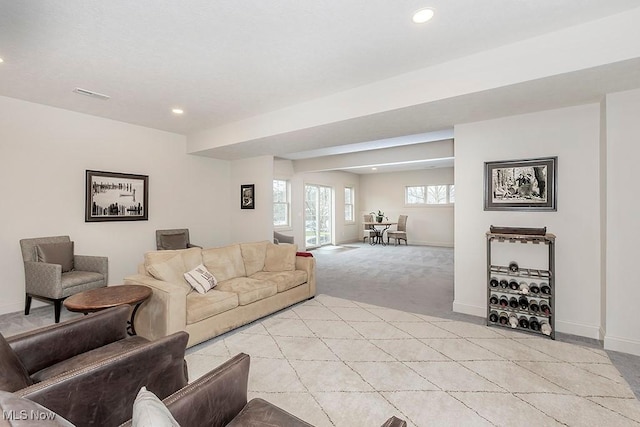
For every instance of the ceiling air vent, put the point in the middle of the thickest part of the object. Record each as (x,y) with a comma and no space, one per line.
(91,93)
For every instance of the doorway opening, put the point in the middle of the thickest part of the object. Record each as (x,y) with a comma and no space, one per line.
(317,215)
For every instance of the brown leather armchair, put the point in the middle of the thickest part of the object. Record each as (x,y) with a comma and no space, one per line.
(89,371)
(219,398)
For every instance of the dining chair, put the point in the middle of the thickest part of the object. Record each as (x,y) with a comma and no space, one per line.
(369,230)
(400,233)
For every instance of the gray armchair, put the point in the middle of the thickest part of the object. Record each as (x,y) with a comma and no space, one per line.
(53,272)
(400,233)
(176,238)
(281,238)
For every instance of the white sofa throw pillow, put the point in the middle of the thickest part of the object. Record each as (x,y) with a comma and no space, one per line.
(201,279)
(149,411)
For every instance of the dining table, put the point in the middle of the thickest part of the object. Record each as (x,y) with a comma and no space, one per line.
(379,228)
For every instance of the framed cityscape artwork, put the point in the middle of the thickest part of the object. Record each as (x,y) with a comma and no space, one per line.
(112,196)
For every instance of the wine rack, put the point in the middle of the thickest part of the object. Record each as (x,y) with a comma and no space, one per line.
(521,298)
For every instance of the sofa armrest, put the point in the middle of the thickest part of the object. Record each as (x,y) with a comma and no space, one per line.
(103,393)
(43,279)
(97,264)
(395,422)
(47,346)
(164,313)
(308,264)
(215,398)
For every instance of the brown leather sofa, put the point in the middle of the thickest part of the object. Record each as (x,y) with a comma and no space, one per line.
(88,370)
(219,398)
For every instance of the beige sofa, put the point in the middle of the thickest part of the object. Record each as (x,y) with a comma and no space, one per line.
(254,280)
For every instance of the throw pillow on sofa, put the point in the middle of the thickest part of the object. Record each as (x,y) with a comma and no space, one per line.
(200,279)
(280,257)
(149,411)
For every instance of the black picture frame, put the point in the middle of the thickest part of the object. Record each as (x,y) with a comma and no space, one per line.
(247,196)
(521,185)
(112,196)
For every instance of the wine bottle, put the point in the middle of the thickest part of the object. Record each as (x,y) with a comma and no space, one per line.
(534,324)
(523,302)
(523,288)
(533,306)
(513,302)
(545,288)
(534,288)
(493,316)
(523,322)
(503,318)
(504,283)
(513,320)
(504,302)
(513,267)
(545,327)
(493,282)
(544,307)
(493,300)
(513,284)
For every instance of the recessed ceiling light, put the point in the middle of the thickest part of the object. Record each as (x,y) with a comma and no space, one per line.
(177,111)
(423,15)
(374,169)
(1,60)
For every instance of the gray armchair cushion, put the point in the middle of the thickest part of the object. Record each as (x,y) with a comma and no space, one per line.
(56,253)
(13,374)
(174,241)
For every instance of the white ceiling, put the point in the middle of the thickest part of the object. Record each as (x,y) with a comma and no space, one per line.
(227,60)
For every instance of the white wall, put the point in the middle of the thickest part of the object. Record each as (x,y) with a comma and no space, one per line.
(623,222)
(573,135)
(44,153)
(432,225)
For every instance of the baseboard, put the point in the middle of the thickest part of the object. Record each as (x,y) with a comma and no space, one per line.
(19,306)
(580,329)
(623,345)
(472,310)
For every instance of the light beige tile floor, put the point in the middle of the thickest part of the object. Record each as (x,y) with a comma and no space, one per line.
(334,362)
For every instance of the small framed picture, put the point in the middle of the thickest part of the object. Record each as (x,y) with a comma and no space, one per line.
(521,185)
(247,196)
(112,196)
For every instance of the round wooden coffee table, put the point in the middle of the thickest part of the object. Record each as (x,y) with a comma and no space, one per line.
(107,297)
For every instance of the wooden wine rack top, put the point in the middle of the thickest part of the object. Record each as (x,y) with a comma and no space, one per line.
(524,238)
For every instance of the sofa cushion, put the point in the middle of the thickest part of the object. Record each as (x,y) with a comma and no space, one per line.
(249,290)
(280,257)
(56,253)
(225,263)
(200,279)
(253,255)
(89,357)
(169,270)
(283,279)
(13,374)
(214,302)
(191,257)
(149,411)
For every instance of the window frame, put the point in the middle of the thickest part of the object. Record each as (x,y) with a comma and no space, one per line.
(352,204)
(287,205)
(450,188)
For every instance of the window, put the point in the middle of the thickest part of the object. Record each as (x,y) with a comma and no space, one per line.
(349,204)
(280,203)
(430,194)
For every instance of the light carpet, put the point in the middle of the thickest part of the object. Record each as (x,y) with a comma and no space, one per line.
(336,362)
